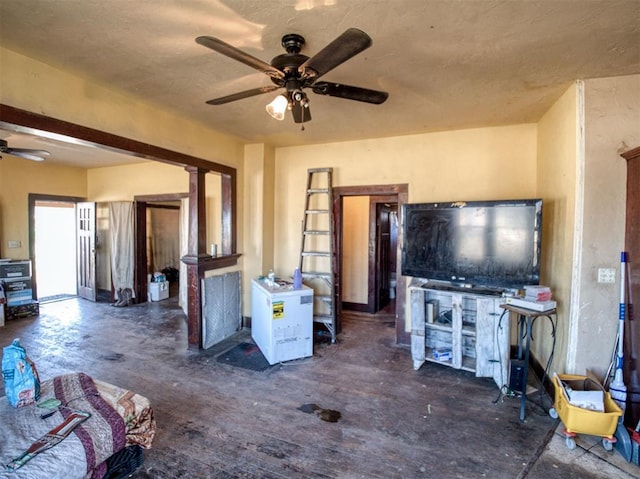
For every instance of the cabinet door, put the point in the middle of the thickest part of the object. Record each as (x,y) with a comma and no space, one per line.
(417,327)
(456,333)
(492,342)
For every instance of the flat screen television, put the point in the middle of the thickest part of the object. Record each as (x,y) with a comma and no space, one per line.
(485,244)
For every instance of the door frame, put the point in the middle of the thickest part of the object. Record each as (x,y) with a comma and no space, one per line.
(140,239)
(33,198)
(375,268)
(401,194)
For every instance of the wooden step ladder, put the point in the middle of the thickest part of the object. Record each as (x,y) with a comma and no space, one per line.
(316,253)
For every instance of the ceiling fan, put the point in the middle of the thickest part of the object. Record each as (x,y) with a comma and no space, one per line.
(295,72)
(27,153)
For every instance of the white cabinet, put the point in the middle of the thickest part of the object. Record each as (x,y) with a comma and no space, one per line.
(462,330)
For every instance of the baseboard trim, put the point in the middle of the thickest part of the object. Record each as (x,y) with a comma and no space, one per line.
(360,307)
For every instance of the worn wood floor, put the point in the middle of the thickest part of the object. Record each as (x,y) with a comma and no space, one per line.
(219,421)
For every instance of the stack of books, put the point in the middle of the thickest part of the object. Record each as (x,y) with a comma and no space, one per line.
(537,293)
(536,298)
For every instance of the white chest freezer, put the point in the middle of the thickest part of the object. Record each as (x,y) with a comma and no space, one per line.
(282,321)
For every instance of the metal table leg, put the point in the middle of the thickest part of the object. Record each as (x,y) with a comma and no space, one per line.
(523,400)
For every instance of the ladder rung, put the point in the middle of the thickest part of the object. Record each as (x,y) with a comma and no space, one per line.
(315,191)
(322,318)
(316,232)
(316,253)
(316,274)
(320,170)
(316,212)
(325,298)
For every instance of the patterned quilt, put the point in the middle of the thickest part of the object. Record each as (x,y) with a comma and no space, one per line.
(119,418)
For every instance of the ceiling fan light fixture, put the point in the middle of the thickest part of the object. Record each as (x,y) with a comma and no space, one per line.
(278,107)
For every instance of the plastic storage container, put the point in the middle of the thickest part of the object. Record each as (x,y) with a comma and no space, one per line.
(158,290)
(578,420)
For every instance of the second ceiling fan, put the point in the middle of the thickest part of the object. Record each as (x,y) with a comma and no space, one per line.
(295,72)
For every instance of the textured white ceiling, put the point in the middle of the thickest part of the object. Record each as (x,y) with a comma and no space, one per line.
(447,64)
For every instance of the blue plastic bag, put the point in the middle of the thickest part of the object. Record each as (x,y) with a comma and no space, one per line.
(21,381)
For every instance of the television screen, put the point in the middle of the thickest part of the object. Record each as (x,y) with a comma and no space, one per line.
(493,244)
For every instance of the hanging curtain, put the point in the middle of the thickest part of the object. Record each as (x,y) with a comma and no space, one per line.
(184,249)
(122,244)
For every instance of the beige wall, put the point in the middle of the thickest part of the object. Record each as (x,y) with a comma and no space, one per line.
(18,178)
(611,126)
(557,177)
(583,179)
(35,86)
(355,249)
(259,222)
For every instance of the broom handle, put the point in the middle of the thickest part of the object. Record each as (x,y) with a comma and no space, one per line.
(622,310)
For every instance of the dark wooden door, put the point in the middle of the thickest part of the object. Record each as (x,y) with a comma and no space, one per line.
(383,250)
(86,237)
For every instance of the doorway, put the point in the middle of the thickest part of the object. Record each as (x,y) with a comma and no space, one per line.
(160,243)
(383,226)
(384,242)
(53,246)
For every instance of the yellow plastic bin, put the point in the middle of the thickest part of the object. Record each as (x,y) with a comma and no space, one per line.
(577,420)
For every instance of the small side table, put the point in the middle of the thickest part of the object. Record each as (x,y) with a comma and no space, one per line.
(526,318)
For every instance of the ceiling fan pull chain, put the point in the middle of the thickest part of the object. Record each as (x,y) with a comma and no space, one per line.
(303,109)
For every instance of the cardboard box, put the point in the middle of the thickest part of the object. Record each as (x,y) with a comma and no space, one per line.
(20,297)
(22,311)
(18,291)
(19,284)
(15,269)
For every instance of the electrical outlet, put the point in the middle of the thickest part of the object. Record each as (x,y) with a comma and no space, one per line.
(606,275)
(14,244)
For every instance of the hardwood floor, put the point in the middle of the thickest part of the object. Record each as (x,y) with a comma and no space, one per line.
(220,421)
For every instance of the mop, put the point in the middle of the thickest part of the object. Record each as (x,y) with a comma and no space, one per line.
(617,388)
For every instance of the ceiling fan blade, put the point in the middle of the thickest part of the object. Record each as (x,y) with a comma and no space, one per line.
(346,46)
(350,92)
(34,155)
(27,153)
(243,94)
(219,46)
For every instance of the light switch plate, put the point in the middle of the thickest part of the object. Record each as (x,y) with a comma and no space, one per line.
(606,275)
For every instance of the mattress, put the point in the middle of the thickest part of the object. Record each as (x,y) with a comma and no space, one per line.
(119,418)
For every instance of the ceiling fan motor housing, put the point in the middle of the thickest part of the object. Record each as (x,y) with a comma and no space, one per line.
(292,42)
